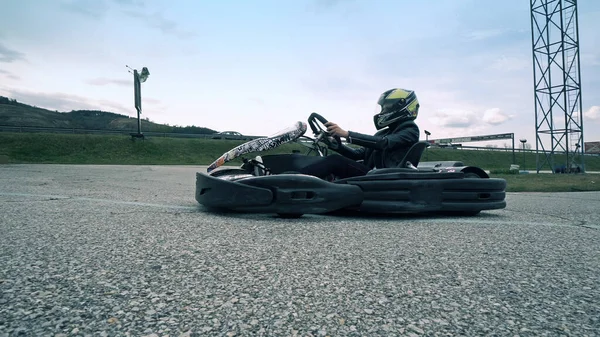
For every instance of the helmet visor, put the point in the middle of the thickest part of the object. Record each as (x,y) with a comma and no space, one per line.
(377,109)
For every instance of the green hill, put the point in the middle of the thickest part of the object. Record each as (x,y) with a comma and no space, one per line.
(14,113)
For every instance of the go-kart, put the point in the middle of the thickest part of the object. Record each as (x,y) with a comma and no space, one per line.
(271,183)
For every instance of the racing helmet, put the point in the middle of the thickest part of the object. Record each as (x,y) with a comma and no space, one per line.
(395,106)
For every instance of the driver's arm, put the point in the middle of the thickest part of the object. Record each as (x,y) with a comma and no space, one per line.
(346,151)
(407,135)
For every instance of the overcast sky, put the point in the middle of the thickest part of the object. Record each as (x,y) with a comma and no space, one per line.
(258,66)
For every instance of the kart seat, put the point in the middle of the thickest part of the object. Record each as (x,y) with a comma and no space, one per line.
(413,156)
(409,162)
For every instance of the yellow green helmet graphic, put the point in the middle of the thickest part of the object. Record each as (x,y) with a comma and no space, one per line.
(396,106)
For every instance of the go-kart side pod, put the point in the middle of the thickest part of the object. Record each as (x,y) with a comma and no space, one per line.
(401,191)
(285,194)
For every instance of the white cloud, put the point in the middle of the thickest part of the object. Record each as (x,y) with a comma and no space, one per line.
(10,55)
(9,75)
(159,21)
(495,116)
(462,118)
(453,118)
(151,100)
(106,81)
(593,113)
(90,8)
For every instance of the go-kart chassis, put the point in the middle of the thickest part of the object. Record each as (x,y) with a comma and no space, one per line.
(396,190)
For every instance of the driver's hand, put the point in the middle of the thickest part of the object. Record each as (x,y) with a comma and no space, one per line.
(335,130)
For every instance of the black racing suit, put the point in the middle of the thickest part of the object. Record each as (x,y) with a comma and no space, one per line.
(384,149)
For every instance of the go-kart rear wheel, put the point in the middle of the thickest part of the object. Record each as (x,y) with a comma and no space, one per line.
(290,215)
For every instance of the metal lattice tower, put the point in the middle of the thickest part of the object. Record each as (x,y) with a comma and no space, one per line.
(557,83)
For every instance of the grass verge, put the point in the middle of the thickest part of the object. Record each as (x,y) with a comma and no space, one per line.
(550,182)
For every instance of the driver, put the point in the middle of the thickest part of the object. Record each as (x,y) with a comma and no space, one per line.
(396,111)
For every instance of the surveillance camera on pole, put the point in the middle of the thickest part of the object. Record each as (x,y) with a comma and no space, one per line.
(523,140)
(138,79)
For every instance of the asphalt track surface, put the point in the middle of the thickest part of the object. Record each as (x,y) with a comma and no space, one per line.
(126,250)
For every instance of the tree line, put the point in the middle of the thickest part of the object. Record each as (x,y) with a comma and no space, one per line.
(104,120)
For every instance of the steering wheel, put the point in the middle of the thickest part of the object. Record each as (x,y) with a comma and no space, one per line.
(321,133)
